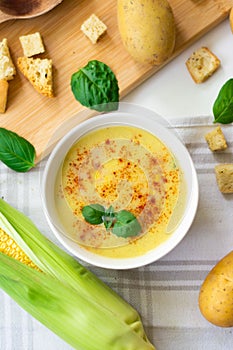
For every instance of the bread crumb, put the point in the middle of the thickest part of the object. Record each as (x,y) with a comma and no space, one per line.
(32,44)
(224,177)
(39,72)
(202,64)
(3,95)
(216,139)
(93,28)
(7,68)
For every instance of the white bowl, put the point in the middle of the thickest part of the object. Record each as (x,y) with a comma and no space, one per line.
(140,118)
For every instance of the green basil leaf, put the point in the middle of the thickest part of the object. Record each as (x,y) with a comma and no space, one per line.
(123,223)
(126,225)
(223,105)
(110,212)
(93,213)
(109,217)
(16,152)
(95,86)
(108,222)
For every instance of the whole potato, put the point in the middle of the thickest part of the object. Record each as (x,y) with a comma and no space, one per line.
(216,293)
(147,29)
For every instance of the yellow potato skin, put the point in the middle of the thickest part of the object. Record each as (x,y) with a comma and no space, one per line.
(147,29)
(216,293)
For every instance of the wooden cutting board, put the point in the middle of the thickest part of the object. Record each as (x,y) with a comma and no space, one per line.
(38,118)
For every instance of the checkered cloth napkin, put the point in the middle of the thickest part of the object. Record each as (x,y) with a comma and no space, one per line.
(166,292)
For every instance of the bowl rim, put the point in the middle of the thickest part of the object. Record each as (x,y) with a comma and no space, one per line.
(171,140)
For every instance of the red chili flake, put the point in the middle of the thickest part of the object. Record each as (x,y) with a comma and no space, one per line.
(152,200)
(76,180)
(154,161)
(69,189)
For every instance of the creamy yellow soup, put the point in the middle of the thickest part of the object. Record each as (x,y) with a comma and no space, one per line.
(129,169)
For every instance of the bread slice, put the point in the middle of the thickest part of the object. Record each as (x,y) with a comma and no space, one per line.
(39,72)
(3,94)
(93,28)
(202,64)
(7,68)
(32,44)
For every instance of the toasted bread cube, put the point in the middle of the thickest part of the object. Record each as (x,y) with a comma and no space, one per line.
(202,64)
(39,72)
(7,68)
(3,95)
(32,44)
(93,28)
(216,139)
(224,177)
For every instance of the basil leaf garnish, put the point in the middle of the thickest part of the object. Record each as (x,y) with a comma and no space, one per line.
(93,213)
(95,86)
(122,223)
(126,224)
(223,105)
(109,217)
(16,152)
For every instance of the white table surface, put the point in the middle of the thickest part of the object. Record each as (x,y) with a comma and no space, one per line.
(171,93)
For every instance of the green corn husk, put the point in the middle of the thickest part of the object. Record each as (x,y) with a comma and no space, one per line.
(60,266)
(79,321)
(54,261)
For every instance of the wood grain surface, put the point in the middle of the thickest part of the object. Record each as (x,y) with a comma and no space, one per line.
(39,118)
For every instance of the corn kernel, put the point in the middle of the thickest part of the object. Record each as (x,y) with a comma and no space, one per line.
(9,247)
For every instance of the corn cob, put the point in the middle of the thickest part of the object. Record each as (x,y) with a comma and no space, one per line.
(119,326)
(82,323)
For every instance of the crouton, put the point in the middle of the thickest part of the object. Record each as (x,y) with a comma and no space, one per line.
(93,28)
(32,44)
(216,139)
(224,177)
(202,64)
